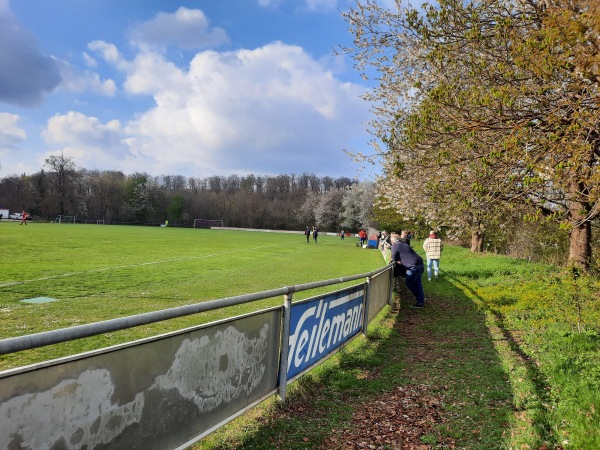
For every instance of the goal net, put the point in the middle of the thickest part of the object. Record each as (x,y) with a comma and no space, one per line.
(64,219)
(207,223)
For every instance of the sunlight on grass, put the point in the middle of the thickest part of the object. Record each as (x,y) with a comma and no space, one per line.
(99,272)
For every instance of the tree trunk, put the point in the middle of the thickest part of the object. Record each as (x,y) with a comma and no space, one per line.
(477,241)
(477,235)
(580,248)
(580,236)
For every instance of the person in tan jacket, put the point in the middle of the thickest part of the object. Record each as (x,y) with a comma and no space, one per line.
(433,250)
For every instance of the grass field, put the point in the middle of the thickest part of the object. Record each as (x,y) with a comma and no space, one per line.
(506,354)
(99,272)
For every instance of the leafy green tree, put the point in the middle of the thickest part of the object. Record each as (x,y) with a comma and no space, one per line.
(497,101)
(176,208)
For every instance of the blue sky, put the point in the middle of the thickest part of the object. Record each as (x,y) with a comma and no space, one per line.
(194,88)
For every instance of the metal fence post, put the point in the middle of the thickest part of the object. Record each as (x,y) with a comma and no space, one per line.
(285,340)
(392,286)
(366,310)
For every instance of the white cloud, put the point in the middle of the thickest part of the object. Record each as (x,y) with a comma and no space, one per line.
(76,127)
(269,3)
(313,5)
(238,111)
(11,134)
(109,53)
(90,142)
(321,5)
(150,73)
(185,28)
(89,61)
(78,81)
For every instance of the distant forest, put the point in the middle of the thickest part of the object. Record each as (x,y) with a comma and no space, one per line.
(284,202)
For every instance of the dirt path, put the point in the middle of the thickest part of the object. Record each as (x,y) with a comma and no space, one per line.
(406,417)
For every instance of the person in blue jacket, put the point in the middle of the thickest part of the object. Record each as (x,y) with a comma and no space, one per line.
(407,259)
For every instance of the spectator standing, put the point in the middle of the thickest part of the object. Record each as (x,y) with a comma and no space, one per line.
(433,250)
(315,234)
(362,234)
(23,218)
(342,234)
(307,234)
(406,257)
(384,241)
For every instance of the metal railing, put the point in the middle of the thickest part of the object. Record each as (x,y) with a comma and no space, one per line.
(19,343)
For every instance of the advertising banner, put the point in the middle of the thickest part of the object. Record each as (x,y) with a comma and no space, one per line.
(320,325)
(379,294)
(157,393)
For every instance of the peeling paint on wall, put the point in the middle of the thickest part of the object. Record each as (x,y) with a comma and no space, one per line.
(79,410)
(157,393)
(214,371)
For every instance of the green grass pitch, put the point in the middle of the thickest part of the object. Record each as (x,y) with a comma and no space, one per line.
(101,272)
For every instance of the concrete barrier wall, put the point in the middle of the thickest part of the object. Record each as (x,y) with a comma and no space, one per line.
(171,390)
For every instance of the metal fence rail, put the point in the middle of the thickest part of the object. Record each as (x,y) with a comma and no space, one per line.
(31,341)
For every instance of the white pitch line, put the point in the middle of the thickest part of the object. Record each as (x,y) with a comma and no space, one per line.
(16,283)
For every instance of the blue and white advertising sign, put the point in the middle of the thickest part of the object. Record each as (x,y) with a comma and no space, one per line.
(320,325)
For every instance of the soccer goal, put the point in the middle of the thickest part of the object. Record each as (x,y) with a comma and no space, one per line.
(64,219)
(207,223)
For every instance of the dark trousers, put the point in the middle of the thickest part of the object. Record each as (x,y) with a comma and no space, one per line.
(414,283)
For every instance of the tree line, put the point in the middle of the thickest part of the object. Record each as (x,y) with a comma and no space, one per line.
(487,115)
(285,202)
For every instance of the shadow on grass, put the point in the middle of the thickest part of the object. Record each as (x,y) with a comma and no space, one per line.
(451,349)
(445,346)
(534,395)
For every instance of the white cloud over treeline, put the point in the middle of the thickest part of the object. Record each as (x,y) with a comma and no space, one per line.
(271,109)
